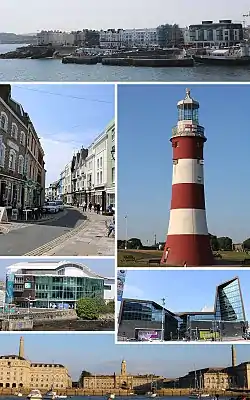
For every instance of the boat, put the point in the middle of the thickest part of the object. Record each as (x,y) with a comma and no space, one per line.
(198,395)
(230,56)
(151,395)
(35,394)
(111,396)
(50,395)
(62,396)
(18,394)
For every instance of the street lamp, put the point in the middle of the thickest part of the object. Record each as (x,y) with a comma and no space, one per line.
(162,319)
(113,152)
(28,299)
(126,232)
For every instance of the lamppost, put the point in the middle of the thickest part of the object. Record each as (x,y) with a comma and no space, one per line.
(28,299)
(162,319)
(113,152)
(126,232)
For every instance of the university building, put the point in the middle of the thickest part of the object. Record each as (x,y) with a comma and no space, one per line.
(22,173)
(58,283)
(18,372)
(142,319)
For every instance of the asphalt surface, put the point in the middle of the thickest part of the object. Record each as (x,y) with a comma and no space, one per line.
(20,241)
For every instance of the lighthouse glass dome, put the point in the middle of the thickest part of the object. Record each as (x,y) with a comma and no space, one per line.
(188,112)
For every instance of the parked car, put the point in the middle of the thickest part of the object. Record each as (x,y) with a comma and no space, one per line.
(60,205)
(51,207)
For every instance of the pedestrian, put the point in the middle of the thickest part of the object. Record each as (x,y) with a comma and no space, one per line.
(90,206)
(185,264)
(95,209)
(111,228)
(77,204)
(98,208)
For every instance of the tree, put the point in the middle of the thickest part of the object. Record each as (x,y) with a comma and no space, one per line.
(121,244)
(85,374)
(225,243)
(89,308)
(246,244)
(110,307)
(134,243)
(214,242)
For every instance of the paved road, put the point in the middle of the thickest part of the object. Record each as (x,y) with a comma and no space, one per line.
(21,241)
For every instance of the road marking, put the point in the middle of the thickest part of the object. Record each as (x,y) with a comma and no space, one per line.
(39,251)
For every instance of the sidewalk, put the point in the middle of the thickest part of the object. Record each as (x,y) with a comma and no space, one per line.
(91,240)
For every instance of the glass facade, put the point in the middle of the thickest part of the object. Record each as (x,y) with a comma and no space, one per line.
(66,289)
(229,304)
(188,112)
(204,317)
(141,311)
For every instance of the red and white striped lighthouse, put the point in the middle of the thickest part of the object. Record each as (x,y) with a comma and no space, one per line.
(188,242)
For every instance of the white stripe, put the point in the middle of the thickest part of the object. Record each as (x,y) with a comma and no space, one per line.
(187,221)
(187,170)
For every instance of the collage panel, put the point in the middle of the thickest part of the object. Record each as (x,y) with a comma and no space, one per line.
(180,209)
(176,306)
(91,366)
(52,294)
(57,174)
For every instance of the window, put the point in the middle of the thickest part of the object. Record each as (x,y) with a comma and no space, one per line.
(113,175)
(4,121)
(101,177)
(12,160)
(22,138)
(2,155)
(14,130)
(101,162)
(20,164)
(98,163)
(97,178)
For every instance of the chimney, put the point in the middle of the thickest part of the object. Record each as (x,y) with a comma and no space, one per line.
(233,350)
(21,347)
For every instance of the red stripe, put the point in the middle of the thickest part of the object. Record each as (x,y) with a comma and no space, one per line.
(188,195)
(194,250)
(187,147)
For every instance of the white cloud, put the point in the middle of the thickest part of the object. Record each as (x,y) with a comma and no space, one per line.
(59,149)
(133,292)
(207,309)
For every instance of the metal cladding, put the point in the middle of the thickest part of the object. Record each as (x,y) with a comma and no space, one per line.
(188,242)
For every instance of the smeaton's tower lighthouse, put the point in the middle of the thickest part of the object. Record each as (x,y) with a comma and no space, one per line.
(188,242)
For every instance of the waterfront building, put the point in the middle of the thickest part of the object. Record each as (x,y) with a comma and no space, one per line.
(122,380)
(224,33)
(216,378)
(141,38)
(55,38)
(138,318)
(18,372)
(60,283)
(22,172)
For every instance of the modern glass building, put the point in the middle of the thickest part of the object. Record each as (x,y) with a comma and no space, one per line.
(140,316)
(54,284)
(227,319)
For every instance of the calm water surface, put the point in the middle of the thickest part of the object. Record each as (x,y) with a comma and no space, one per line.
(54,70)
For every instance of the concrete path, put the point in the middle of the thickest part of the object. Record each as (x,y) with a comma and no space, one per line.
(90,240)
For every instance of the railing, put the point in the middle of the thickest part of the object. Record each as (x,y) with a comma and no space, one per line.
(188,131)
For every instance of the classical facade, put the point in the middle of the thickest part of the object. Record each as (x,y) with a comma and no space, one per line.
(78,171)
(18,372)
(123,380)
(116,39)
(22,173)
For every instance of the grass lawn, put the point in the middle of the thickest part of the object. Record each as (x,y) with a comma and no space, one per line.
(143,256)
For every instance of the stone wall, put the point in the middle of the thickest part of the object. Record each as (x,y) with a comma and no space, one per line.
(74,325)
(17,325)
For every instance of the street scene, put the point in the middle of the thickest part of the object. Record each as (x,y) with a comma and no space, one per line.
(57,295)
(164,306)
(57,174)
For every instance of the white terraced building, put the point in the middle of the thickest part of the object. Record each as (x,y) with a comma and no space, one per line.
(116,39)
(58,284)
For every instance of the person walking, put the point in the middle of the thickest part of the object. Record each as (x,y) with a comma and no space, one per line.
(98,208)
(84,207)
(111,228)
(90,206)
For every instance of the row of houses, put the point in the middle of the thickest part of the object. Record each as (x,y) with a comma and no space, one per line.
(22,167)
(90,175)
(207,33)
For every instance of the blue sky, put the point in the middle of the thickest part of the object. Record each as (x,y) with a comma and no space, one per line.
(184,290)
(99,354)
(66,118)
(146,115)
(33,16)
(105,267)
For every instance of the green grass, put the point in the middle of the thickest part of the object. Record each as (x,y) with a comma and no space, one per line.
(143,256)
